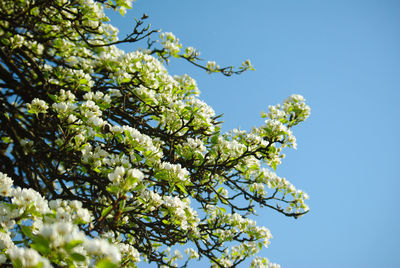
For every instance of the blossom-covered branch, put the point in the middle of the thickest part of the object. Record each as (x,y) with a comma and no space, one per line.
(107,160)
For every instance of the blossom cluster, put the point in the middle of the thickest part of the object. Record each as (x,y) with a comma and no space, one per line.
(170,43)
(52,229)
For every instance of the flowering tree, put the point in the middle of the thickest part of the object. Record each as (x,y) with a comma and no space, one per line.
(107,160)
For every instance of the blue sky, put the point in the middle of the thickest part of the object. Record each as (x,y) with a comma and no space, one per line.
(344,58)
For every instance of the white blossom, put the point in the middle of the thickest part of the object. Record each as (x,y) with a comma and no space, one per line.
(5,184)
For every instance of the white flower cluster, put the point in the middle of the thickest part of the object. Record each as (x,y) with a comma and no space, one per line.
(193,254)
(246,65)
(276,129)
(65,104)
(37,106)
(174,172)
(97,96)
(179,209)
(27,257)
(26,199)
(246,248)
(212,66)
(93,156)
(229,148)
(183,212)
(170,43)
(172,256)
(255,140)
(128,178)
(259,262)
(191,53)
(239,224)
(273,181)
(92,113)
(296,104)
(128,251)
(70,211)
(135,139)
(188,84)
(52,228)
(192,149)
(5,185)
(16,41)
(100,247)
(152,200)
(293,111)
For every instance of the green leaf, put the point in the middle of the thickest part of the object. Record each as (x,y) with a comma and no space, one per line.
(42,245)
(126,80)
(113,189)
(122,204)
(140,187)
(106,211)
(26,230)
(17,263)
(34,11)
(171,187)
(5,41)
(130,181)
(78,257)
(68,247)
(182,188)
(127,209)
(274,165)
(6,139)
(39,265)
(52,97)
(10,206)
(83,81)
(222,210)
(147,218)
(105,263)
(122,12)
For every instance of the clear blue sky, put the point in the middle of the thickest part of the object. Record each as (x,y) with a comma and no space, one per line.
(343,56)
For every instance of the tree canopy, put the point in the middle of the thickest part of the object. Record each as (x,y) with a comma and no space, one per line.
(107,160)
